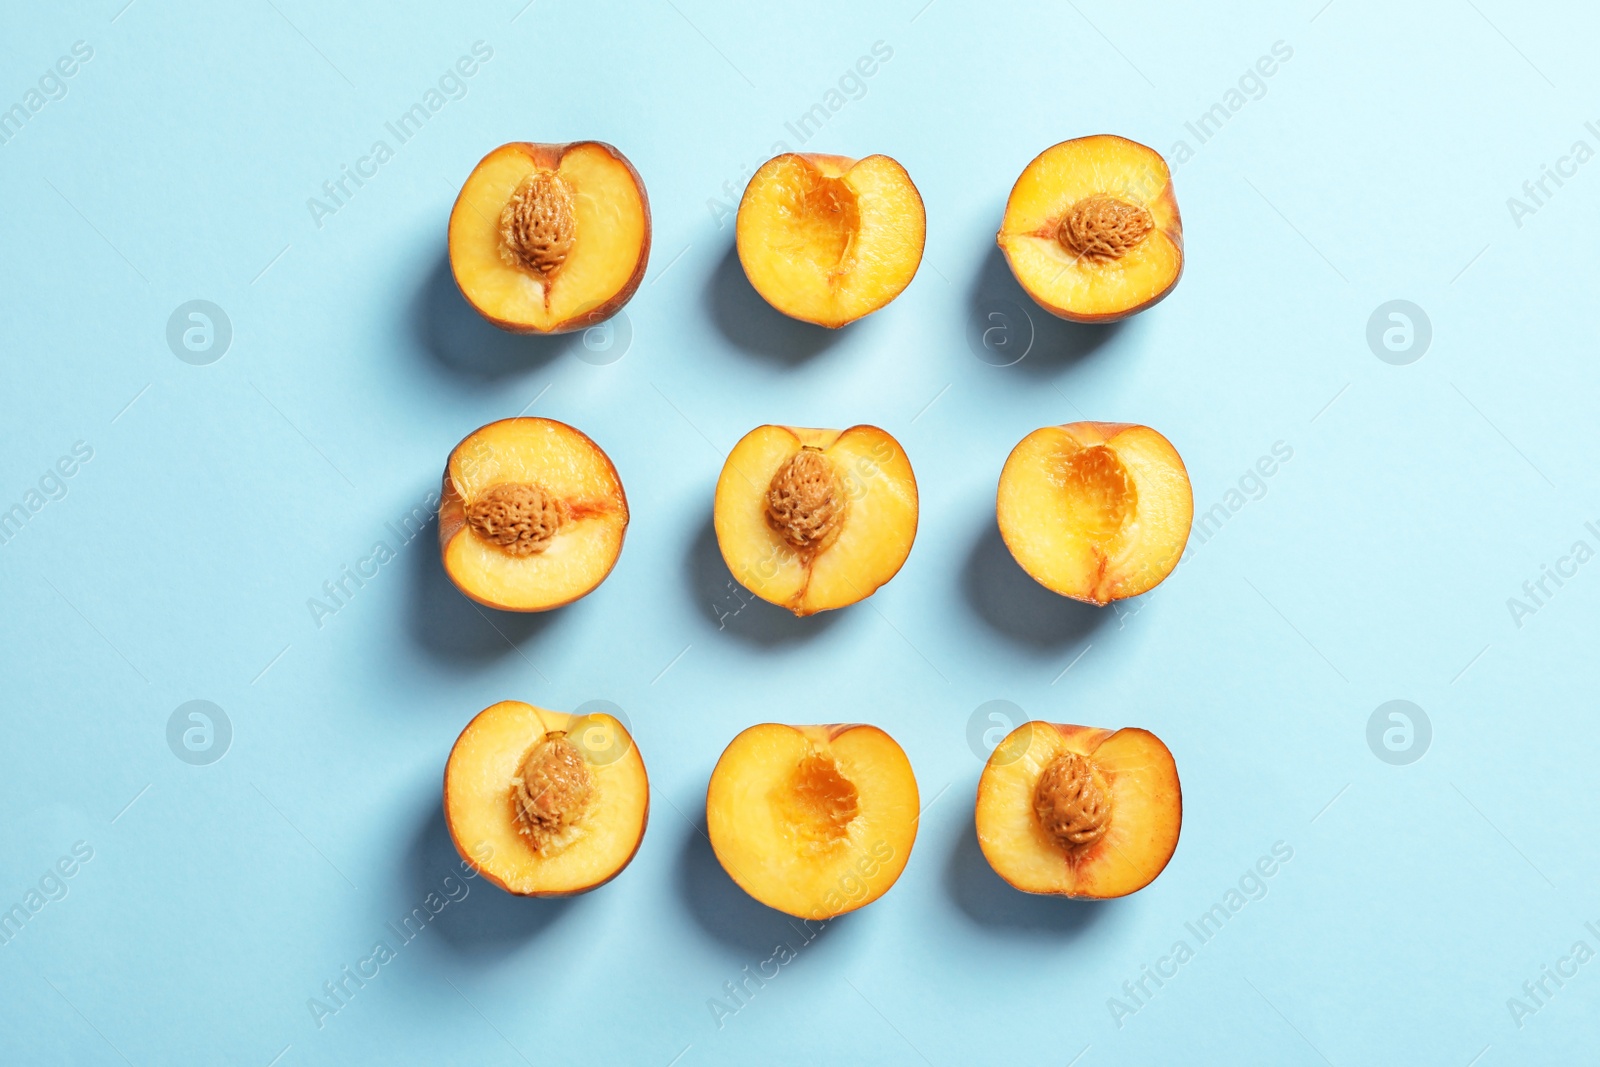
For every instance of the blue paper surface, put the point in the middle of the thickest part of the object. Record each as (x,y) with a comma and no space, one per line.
(235,361)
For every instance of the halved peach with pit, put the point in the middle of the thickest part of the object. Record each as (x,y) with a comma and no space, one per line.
(1096,511)
(1092,231)
(815,519)
(532,515)
(545,804)
(828,239)
(547,238)
(814,821)
(1077,811)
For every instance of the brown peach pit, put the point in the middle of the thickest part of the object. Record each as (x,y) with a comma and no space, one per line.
(1072,802)
(538,225)
(806,501)
(552,791)
(519,517)
(1103,229)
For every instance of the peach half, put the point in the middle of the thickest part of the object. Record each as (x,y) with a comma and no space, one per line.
(547,238)
(545,804)
(532,515)
(1077,811)
(1091,229)
(1096,511)
(815,519)
(827,239)
(814,821)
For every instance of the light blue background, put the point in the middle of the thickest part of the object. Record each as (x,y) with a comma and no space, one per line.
(1377,565)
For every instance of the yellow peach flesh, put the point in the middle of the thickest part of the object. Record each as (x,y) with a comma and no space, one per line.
(1095,511)
(876,531)
(1066,282)
(827,239)
(607,258)
(814,821)
(1145,803)
(565,464)
(481,775)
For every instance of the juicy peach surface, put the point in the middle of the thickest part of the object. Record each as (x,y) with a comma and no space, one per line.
(1096,511)
(479,780)
(610,244)
(574,473)
(1098,282)
(1145,806)
(828,239)
(814,821)
(874,533)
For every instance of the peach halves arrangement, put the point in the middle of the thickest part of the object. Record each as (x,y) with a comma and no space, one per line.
(814,821)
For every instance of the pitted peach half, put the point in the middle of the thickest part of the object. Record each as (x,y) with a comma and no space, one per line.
(814,821)
(1096,511)
(545,804)
(1092,231)
(547,238)
(815,519)
(532,515)
(828,239)
(1077,811)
